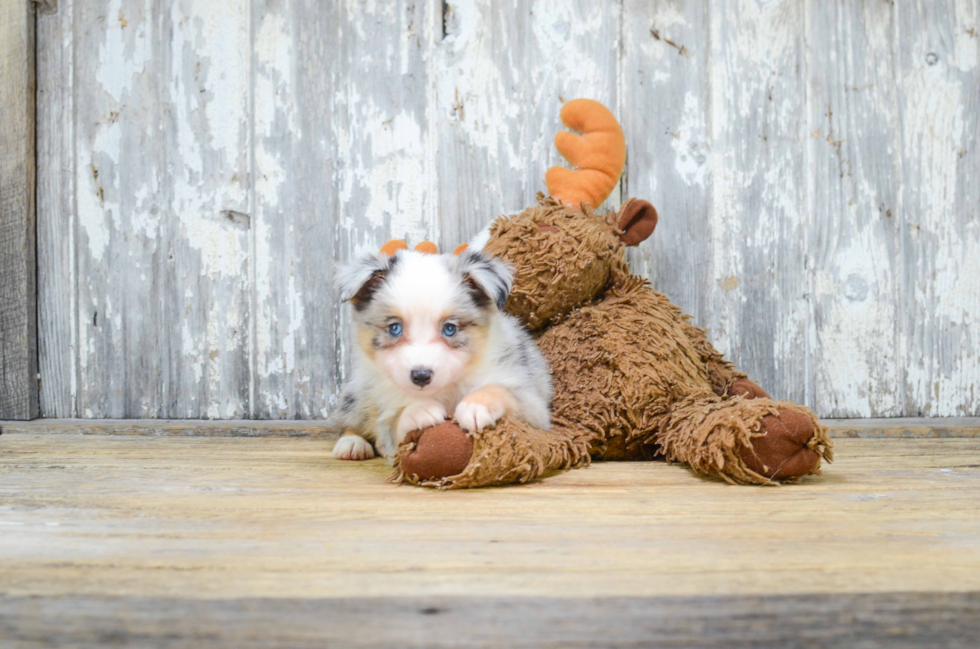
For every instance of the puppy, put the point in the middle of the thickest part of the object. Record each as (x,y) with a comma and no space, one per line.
(433,343)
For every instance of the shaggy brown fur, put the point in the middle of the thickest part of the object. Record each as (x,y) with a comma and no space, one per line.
(510,452)
(553,275)
(633,378)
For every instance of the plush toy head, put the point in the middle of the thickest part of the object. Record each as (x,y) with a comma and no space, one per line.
(563,253)
(563,257)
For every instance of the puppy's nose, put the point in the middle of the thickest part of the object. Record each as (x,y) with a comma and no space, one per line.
(421,378)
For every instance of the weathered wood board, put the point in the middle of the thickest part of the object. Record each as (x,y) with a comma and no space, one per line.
(869,621)
(856,174)
(143,246)
(220,517)
(226,541)
(203,166)
(939,107)
(230,542)
(18,265)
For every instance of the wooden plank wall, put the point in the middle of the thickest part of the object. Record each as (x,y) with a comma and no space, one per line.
(18,276)
(203,166)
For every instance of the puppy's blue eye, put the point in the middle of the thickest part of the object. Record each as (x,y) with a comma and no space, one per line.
(449,330)
(395,329)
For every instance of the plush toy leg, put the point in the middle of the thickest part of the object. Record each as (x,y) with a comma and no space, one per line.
(721,372)
(745,440)
(783,436)
(446,457)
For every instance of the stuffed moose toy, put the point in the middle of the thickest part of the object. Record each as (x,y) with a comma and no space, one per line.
(633,378)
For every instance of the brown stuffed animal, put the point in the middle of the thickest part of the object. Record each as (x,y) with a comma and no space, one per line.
(633,378)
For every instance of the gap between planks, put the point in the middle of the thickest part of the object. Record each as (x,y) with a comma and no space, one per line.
(906,427)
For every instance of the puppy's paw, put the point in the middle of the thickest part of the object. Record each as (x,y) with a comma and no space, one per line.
(417,416)
(477,413)
(353,447)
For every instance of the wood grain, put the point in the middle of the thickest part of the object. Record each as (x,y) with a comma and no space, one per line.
(480,54)
(502,72)
(666,99)
(296,336)
(892,621)
(343,162)
(917,427)
(18,266)
(939,105)
(855,239)
(758,217)
(56,216)
(158,154)
(208,541)
(813,165)
(223,517)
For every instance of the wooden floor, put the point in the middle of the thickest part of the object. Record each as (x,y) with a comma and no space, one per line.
(267,541)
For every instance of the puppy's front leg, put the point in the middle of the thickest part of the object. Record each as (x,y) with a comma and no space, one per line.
(352,446)
(482,408)
(418,415)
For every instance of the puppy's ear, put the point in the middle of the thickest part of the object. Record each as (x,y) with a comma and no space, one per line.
(358,280)
(487,278)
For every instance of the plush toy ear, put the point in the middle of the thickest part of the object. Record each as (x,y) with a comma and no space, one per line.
(637,219)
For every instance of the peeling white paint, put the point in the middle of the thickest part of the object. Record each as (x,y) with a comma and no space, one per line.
(966,41)
(389,180)
(942,362)
(123,43)
(273,86)
(757,120)
(691,153)
(98,204)
(848,261)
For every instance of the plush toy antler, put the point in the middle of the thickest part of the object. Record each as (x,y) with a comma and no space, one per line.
(598,155)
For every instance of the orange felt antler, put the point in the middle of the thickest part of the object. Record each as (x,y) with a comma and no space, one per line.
(394,245)
(598,155)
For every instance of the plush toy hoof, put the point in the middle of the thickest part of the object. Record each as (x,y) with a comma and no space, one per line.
(748,389)
(439,452)
(784,451)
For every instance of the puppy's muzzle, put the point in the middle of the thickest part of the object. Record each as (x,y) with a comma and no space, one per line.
(421,377)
